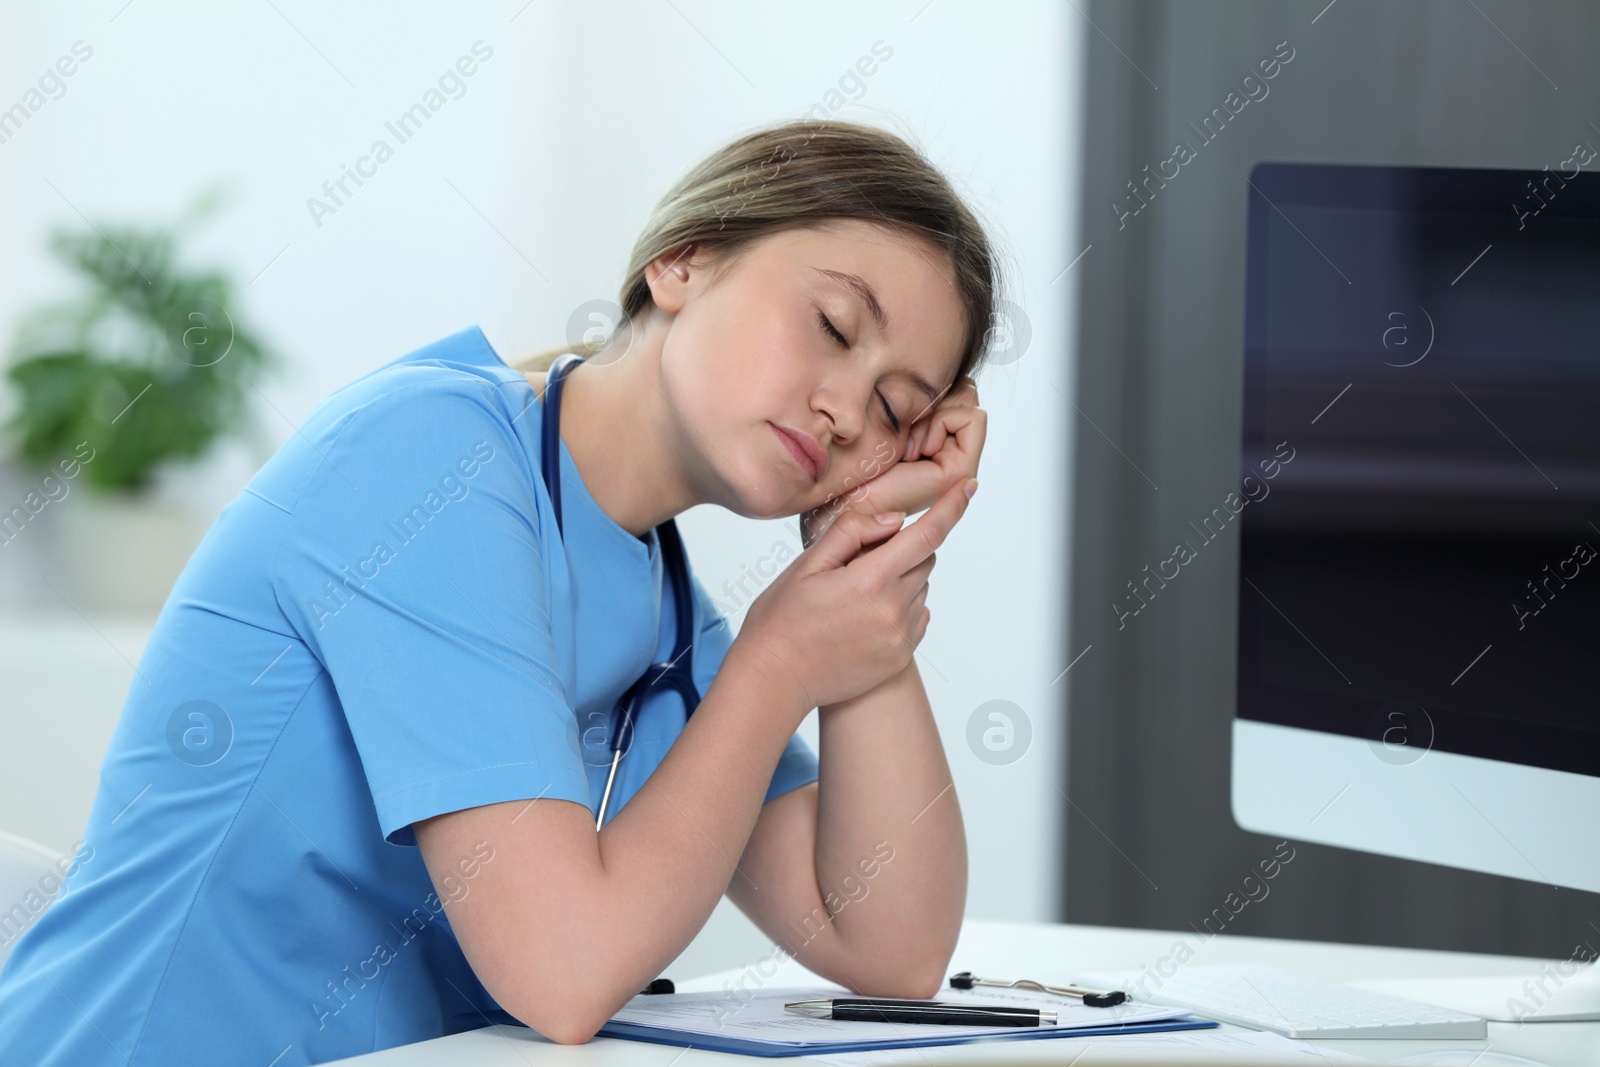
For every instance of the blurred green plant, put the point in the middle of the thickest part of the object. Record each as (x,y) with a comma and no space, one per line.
(148,366)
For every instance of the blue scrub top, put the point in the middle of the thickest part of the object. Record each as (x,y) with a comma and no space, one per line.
(381,628)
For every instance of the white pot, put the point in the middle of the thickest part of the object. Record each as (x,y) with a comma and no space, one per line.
(121,553)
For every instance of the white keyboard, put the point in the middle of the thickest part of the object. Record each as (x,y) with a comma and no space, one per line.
(1266,998)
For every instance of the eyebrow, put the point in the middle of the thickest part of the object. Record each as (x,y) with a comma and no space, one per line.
(858,285)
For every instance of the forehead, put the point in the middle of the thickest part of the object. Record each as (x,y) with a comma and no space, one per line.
(912,279)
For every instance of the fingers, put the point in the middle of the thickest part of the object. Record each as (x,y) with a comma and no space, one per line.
(964,394)
(919,602)
(917,542)
(850,533)
(929,437)
(966,423)
(918,575)
(914,445)
(915,618)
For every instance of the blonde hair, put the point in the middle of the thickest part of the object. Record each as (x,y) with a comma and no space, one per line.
(801,174)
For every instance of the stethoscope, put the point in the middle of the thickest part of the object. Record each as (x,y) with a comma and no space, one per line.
(677,672)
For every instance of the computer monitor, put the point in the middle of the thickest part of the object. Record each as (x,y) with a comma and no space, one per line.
(1419,509)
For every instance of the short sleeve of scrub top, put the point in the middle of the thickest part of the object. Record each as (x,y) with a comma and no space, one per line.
(446,665)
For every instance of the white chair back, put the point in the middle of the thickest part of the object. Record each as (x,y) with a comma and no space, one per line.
(29,881)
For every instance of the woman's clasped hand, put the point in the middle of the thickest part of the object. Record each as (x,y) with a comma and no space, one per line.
(841,619)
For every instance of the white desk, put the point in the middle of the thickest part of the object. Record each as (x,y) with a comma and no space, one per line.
(1048,951)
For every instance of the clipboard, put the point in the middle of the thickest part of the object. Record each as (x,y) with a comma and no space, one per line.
(636,1032)
(755,1024)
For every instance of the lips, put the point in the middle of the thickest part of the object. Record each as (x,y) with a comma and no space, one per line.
(805,450)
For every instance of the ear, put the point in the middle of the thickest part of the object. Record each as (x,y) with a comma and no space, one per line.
(668,277)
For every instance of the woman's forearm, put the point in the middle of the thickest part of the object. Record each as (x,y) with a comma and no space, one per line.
(671,851)
(886,786)
(563,933)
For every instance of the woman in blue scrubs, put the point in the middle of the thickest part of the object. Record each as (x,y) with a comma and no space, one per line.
(399,636)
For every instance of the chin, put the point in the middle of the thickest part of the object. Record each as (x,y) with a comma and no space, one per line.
(776,493)
(773,500)
(781,508)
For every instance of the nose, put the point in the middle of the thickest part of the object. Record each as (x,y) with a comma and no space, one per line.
(844,404)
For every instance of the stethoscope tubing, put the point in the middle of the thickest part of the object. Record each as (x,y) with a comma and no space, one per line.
(677,673)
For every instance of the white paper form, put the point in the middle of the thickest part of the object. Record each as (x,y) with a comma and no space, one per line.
(760,1015)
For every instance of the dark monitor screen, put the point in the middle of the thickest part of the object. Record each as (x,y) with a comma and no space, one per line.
(1423,345)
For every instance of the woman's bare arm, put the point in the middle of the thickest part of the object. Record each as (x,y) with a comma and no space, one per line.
(564,925)
(863,877)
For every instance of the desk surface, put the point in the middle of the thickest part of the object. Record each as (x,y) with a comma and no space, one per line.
(1050,951)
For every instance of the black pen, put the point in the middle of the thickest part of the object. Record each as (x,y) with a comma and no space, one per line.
(921,1011)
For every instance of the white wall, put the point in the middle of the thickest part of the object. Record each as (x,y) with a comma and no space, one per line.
(521,200)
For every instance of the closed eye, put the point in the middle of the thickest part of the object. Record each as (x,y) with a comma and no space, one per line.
(828,328)
(839,338)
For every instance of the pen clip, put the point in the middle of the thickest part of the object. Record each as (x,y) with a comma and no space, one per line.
(1093,998)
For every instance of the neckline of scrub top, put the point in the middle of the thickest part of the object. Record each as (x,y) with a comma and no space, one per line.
(642,549)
